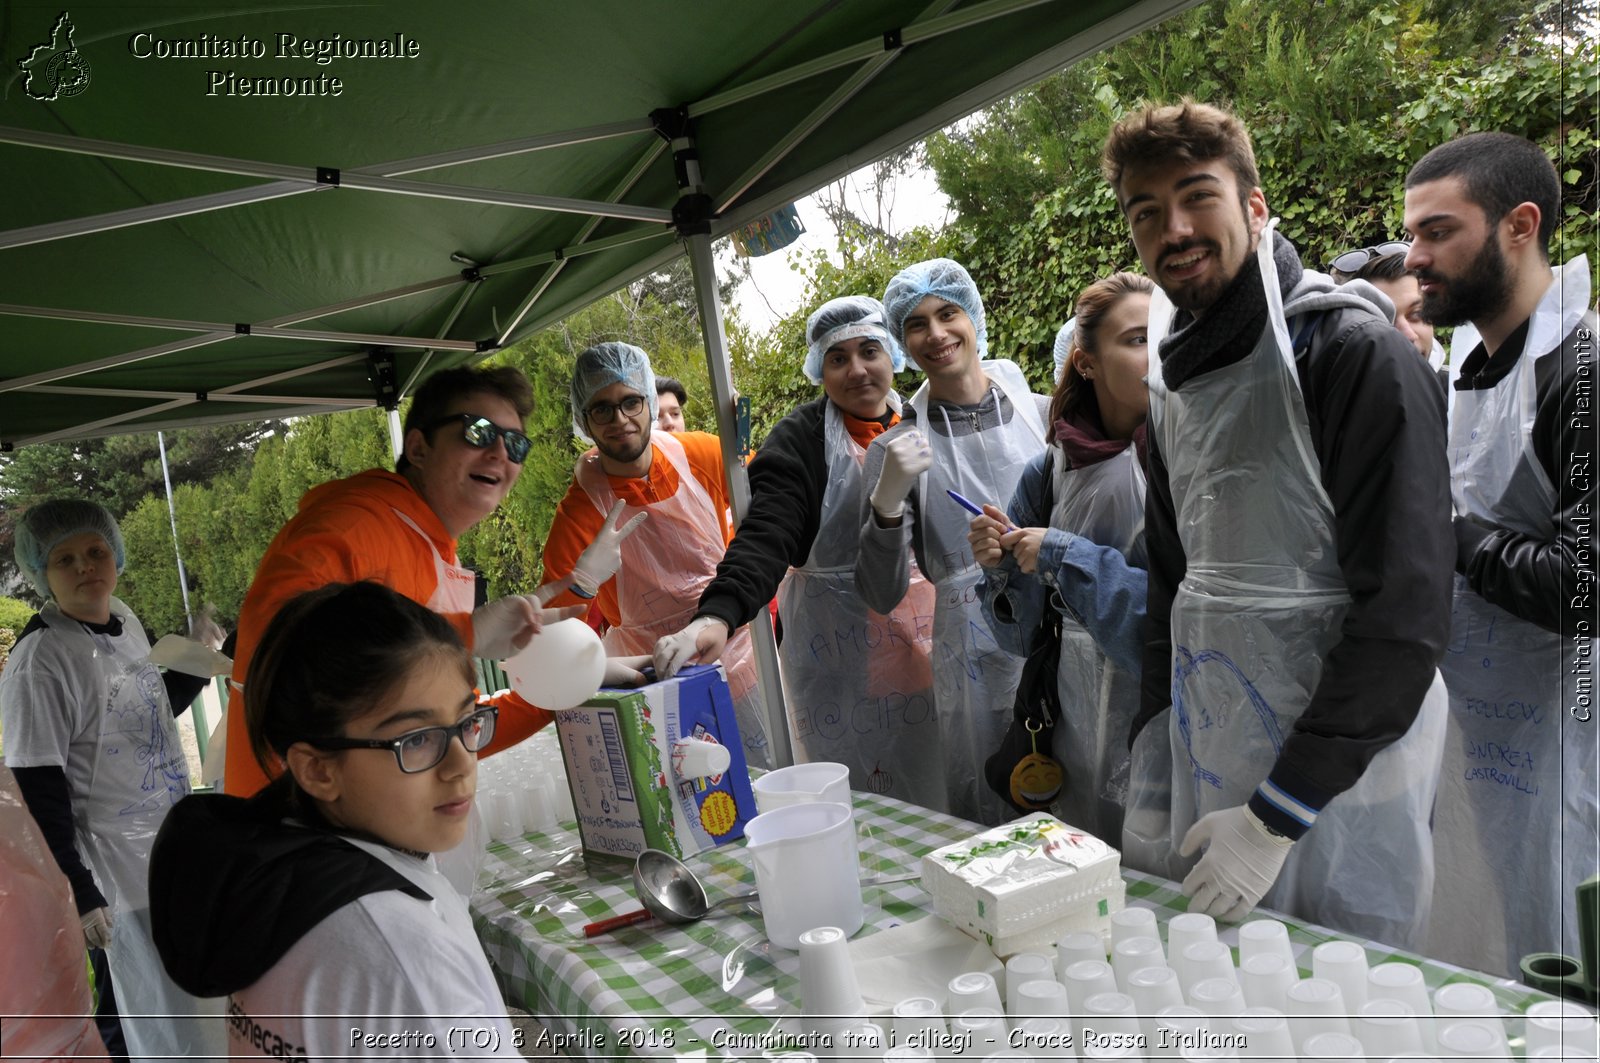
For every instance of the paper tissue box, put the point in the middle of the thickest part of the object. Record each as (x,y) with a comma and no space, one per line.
(617,747)
(1021,886)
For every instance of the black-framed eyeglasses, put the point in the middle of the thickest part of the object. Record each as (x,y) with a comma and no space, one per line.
(1355,261)
(425,747)
(481,432)
(606,412)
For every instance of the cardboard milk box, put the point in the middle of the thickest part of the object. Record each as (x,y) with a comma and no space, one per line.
(617,748)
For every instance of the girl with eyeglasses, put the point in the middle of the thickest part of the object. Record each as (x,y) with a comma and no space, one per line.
(317,905)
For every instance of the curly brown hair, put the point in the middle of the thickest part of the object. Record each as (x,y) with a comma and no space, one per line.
(1187,131)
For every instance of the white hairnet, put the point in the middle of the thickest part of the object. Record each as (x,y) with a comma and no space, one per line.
(1063,349)
(48,524)
(848,317)
(947,279)
(601,366)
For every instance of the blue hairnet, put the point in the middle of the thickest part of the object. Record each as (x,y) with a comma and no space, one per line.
(1063,349)
(46,525)
(846,318)
(947,279)
(601,366)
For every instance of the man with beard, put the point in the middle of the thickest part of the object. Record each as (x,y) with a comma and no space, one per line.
(1516,829)
(671,481)
(1296,521)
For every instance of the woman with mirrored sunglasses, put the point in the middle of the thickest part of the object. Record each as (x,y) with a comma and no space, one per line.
(317,906)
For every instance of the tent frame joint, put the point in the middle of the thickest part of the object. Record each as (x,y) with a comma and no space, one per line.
(692,214)
(328,175)
(892,41)
(242,328)
(381,375)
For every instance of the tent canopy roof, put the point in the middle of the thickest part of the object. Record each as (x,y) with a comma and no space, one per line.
(176,251)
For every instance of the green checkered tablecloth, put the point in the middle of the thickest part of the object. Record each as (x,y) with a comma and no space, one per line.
(680,992)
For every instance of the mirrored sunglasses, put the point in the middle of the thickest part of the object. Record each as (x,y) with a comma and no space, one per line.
(481,432)
(1355,261)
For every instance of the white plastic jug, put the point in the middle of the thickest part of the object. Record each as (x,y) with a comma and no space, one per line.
(807,871)
(800,784)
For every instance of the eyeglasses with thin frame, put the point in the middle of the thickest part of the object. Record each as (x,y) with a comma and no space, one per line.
(606,412)
(1355,261)
(481,432)
(419,750)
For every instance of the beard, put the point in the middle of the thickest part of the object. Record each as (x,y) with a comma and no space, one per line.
(1481,292)
(626,453)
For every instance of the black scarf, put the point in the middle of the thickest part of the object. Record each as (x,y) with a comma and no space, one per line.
(1231,325)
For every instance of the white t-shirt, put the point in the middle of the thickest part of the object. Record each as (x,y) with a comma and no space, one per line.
(388,976)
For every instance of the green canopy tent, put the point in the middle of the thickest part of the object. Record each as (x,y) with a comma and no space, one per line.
(220,212)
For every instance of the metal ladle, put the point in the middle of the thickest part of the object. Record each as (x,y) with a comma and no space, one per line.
(671,893)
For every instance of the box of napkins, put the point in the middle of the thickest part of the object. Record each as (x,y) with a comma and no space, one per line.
(1021,886)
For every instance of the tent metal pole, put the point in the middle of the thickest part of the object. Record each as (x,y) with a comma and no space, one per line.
(397,436)
(122,219)
(704,268)
(273,331)
(213,396)
(172,516)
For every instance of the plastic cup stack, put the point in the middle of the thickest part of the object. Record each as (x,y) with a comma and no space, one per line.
(1343,963)
(1086,978)
(1025,967)
(830,1001)
(1047,1037)
(1201,960)
(1134,923)
(1188,929)
(1112,1013)
(984,1026)
(1467,1001)
(973,989)
(1174,1025)
(1075,947)
(1220,998)
(1403,982)
(1265,979)
(1135,954)
(1260,936)
(1387,1028)
(908,1054)
(1330,1046)
(1563,1024)
(1265,1032)
(1040,997)
(918,1020)
(1153,988)
(1471,1039)
(1315,1005)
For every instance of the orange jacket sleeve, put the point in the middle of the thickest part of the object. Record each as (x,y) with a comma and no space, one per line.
(518,719)
(576,524)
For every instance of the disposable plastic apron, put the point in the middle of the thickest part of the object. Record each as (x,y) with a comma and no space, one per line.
(1103,503)
(859,684)
(1252,621)
(1516,819)
(974,680)
(666,563)
(455,591)
(139,772)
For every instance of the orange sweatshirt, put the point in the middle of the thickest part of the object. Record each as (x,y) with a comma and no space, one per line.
(577,521)
(350,530)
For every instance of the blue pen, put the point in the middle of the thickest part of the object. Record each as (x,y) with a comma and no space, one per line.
(967,504)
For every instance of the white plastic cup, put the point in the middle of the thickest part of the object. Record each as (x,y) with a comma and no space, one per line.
(1076,946)
(504,816)
(562,666)
(986,1028)
(830,997)
(1133,954)
(1153,988)
(861,1040)
(919,1021)
(1134,923)
(1265,1032)
(1086,978)
(1185,929)
(1386,1028)
(1040,997)
(1326,1046)
(1404,982)
(1344,963)
(1265,979)
(696,758)
(908,1054)
(1174,1025)
(1220,998)
(1471,1039)
(1112,1013)
(972,989)
(1045,1036)
(807,870)
(1264,935)
(1561,1023)
(1466,1001)
(1025,967)
(800,784)
(1202,960)
(1315,1005)
(1568,1053)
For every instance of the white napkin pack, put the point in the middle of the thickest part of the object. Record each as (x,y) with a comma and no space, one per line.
(1021,886)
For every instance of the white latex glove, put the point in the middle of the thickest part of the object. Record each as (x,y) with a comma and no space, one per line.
(1241,863)
(624,671)
(700,642)
(507,624)
(903,461)
(97,928)
(601,558)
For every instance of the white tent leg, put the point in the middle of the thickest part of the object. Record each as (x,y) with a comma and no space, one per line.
(766,645)
(396,436)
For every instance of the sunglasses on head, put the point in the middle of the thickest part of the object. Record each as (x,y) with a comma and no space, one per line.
(1355,261)
(481,432)
(422,749)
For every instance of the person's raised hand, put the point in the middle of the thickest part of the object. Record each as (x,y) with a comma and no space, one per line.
(984,534)
(601,558)
(905,458)
(626,671)
(701,641)
(1241,862)
(1024,545)
(506,625)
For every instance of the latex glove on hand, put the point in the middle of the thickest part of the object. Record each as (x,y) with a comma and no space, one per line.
(701,641)
(507,624)
(1024,544)
(1241,862)
(601,558)
(905,459)
(984,534)
(97,928)
(625,671)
